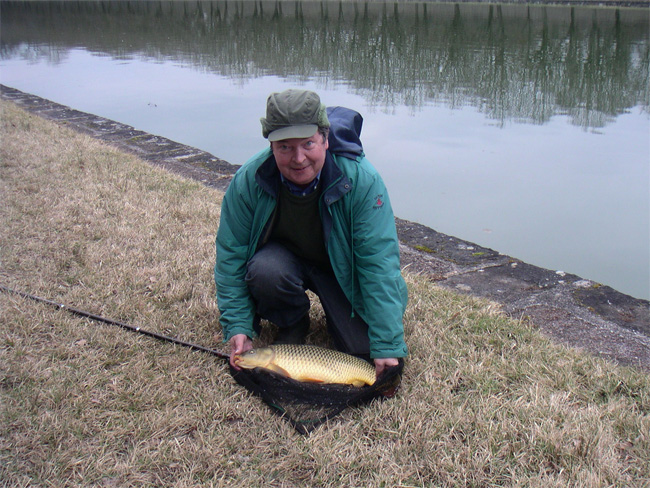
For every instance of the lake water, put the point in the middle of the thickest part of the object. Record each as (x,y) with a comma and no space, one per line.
(525,129)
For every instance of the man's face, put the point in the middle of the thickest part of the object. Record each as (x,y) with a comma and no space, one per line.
(300,160)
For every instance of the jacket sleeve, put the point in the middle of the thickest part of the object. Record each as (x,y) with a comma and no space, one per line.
(377,266)
(233,243)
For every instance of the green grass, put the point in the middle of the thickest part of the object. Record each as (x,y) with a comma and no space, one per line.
(486,400)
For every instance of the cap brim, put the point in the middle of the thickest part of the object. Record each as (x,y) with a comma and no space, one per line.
(293,132)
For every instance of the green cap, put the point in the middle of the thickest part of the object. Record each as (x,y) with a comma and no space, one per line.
(293,114)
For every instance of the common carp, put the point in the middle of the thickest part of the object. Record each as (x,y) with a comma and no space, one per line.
(309,363)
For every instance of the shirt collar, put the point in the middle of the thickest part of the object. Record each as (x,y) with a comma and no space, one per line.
(296,190)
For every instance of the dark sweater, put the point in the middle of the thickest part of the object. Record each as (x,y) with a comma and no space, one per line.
(299,228)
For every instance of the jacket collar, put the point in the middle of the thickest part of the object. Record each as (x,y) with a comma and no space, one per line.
(267,176)
(334,183)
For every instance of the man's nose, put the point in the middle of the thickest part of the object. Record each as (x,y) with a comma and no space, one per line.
(299,155)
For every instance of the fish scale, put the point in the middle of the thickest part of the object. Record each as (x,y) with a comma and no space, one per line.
(309,363)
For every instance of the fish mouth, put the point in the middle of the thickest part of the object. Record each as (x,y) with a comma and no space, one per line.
(236,359)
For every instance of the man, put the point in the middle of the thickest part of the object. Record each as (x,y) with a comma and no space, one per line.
(310,212)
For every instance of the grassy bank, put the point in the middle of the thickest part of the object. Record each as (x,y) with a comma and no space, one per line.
(486,401)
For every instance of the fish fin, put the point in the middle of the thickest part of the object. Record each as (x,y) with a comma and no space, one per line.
(277,369)
(311,380)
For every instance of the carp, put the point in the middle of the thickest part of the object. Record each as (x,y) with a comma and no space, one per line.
(309,364)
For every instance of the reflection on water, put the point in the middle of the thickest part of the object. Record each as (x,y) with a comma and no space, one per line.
(512,62)
(522,128)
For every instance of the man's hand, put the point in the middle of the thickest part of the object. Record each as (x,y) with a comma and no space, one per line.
(382,364)
(239,344)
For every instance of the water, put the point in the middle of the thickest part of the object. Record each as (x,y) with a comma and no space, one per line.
(523,129)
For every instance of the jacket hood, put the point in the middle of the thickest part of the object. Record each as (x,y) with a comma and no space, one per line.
(345,132)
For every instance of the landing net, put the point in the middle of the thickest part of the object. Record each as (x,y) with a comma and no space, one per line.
(307,405)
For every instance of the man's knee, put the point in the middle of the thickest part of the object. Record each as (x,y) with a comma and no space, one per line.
(274,272)
(268,273)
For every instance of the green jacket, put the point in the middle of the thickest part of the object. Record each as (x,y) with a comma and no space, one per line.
(360,237)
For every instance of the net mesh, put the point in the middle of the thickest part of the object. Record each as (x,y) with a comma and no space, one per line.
(307,405)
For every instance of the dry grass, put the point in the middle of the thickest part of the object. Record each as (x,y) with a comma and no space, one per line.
(486,401)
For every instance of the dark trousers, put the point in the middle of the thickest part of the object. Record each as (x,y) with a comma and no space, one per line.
(278,280)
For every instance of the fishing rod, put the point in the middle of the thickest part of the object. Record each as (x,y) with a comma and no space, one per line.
(131,328)
(304,405)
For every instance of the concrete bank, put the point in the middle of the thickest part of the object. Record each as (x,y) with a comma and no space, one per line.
(574,311)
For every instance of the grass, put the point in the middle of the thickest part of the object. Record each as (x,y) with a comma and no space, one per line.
(486,401)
